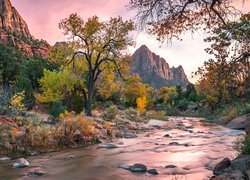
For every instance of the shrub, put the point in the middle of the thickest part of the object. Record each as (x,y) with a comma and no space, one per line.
(152,114)
(74,129)
(230,113)
(56,108)
(110,113)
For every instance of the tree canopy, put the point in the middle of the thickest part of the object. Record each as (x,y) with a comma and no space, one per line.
(169,18)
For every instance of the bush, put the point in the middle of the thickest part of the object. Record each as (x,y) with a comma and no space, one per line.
(74,129)
(110,113)
(152,114)
(56,108)
(230,113)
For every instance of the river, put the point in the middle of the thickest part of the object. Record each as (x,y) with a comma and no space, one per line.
(194,149)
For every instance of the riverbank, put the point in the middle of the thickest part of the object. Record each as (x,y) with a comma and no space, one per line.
(189,149)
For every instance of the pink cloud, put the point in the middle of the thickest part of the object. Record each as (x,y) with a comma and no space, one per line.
(43,16)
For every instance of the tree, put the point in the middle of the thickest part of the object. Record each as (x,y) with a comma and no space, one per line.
(134,89)
(99,44)
(168,94)
(169,18)
(229,71)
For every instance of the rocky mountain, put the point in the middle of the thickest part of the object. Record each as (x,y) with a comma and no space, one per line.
(155,71)
(15,32)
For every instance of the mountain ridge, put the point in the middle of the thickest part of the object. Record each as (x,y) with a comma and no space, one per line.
(155,71)
(14,32)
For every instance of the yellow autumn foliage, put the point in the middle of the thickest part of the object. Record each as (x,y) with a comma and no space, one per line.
(16,102)
(141,103)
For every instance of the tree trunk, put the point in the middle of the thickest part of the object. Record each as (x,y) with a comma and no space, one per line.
(89,98)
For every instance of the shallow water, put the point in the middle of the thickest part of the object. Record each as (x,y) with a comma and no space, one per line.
(195,156)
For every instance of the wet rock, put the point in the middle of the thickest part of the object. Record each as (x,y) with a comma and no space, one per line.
(138,168)
(222,165)
(37,173)
(153,171)
(167,136)
(174,144)
(170,166)
(4,158)
(33,153)
(121,143)
(71,156)
(125,167)
(129,135)
(21,163)
(108,146)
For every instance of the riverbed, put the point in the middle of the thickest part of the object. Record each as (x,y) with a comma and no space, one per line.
(187,153)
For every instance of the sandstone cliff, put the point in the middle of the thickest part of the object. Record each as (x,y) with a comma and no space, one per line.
(155,71)
(15,32)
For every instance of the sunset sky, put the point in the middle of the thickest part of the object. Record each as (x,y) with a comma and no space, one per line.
(43,16)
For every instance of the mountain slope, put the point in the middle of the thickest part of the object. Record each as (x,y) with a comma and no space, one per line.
(15,32)
(155,71)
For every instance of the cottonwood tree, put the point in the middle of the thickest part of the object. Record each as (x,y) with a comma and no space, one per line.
(229,71)
(98,46)
(169,18)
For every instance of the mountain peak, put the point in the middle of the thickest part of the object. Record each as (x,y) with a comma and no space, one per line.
(15,32)
(155,71)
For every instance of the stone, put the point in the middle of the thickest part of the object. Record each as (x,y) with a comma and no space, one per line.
(125,167)
(174,144)
(129,135)
(221,166)
(21,163)
(170,166)
(153,171)
(138,168)
(167,136)
(108,146)
(4,158)
(240,123)
(33,153)
(37,173)
(155,71)
(71,156)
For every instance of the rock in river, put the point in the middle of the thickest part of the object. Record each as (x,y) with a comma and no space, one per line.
(4,158)
(170,166)
(129,135)
(37,173)
(21,163)
(222,165)
(153,171)
(108,146)
(138,168)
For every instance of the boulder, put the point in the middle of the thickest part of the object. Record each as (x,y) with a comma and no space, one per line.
(138,168)
(239,123)
(221,166)
(21,163)
(153,171)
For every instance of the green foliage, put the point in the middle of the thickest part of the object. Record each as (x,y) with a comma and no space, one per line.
(56,108)
(110,112)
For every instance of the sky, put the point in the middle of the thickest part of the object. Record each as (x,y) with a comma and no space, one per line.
(43,16)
